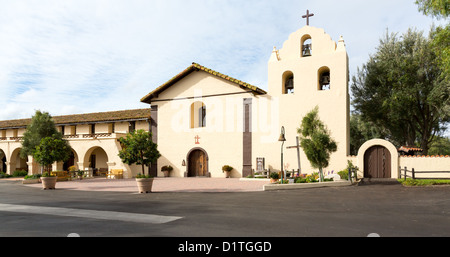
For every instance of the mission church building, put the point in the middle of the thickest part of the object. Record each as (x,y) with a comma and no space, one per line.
(203,119)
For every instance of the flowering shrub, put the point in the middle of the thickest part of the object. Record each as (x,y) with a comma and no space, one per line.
(307,178)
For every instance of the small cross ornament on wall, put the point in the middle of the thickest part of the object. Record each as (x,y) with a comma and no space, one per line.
(196,140)
(307,17)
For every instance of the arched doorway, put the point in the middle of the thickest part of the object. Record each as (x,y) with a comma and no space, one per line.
(73,159)
(377,162)
(197,163)
(2,161)
(97,159)
(17,162)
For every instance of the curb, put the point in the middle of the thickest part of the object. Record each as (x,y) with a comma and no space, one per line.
(378,181)
(271,187)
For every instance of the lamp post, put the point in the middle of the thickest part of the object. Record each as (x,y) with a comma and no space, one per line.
(282,139)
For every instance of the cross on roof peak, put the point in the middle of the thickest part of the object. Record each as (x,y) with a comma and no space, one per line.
(307,16)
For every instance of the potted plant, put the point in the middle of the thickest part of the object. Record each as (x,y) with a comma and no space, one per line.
(80,174)
(227,170)
(138,148)
(50,150)
(166,170)
(274,177)
(144,183)
(48,180)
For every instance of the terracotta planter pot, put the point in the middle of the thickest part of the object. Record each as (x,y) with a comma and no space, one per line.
(144,185)
(166,173)
(272,180)
(48,182)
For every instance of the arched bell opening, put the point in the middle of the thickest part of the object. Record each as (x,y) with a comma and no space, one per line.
(288,82)
(324,79)
(306,44)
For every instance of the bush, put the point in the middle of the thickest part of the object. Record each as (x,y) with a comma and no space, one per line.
(20,173)
(4,175)
(139,175)
(300,180)
(274,175)
(47,174)
(34,176)
(343,174)
(227,168)
(311,179)
(166,168)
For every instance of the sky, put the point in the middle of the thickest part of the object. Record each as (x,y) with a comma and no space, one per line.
(70,57)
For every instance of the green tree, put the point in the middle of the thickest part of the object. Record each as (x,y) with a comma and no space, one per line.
(362,131)
(402,90)
(51,149)
(440,146)
(440,44)
(138,148)
(440,36)
(435,8)
(41,126)
(315,141)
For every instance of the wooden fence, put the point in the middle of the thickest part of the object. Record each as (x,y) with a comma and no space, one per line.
(412,173)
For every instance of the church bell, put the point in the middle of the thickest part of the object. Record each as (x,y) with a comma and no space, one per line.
(289,83)
(325,80)
(306,50)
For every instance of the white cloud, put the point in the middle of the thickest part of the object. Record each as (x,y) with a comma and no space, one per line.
(85,56)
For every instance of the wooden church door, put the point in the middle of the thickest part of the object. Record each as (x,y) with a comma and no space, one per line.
(377,162)
(197,163)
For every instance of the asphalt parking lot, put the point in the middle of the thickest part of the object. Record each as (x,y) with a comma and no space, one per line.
(355,211)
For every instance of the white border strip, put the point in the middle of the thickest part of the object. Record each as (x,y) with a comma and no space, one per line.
(91,214)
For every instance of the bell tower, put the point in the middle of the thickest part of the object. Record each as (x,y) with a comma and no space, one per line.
(309,70)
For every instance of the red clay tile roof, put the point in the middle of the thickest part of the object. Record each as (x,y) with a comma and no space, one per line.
(425,156)
(409,148)
(135,114)
(198,67)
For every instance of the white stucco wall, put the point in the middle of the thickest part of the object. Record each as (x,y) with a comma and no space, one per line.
(221,138)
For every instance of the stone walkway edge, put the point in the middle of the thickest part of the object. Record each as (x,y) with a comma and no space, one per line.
(198,184)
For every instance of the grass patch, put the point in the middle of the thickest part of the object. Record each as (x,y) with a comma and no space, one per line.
(424,182)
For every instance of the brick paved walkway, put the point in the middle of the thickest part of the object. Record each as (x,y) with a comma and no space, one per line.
(169,184)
